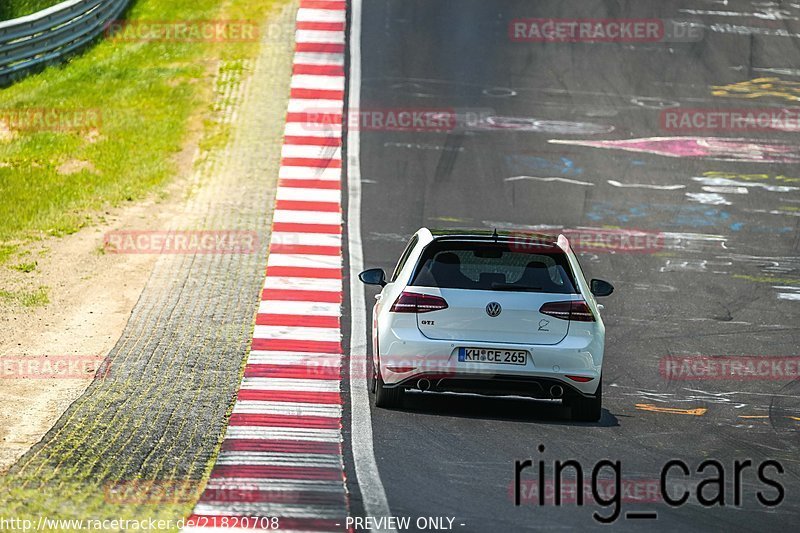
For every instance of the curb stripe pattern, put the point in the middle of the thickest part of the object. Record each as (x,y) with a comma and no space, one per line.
(282,452)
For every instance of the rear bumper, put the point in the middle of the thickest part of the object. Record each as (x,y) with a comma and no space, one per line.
(497,385)
(406,356)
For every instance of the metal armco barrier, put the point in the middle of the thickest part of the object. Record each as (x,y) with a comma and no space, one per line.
(34,41)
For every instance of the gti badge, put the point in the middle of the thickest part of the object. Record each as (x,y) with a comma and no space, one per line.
(493,309)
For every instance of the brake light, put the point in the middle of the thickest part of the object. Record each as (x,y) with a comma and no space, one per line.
(411,302)
(401,369)
(580,379)
(577,310)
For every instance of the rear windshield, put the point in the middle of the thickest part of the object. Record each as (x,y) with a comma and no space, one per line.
(493,266)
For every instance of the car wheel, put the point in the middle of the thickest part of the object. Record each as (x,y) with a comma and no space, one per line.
(386,397)
(588,409)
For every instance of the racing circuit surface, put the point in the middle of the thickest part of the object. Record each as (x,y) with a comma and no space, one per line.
(537,146)
(626,146)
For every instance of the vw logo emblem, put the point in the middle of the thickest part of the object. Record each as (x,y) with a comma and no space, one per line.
(493,309)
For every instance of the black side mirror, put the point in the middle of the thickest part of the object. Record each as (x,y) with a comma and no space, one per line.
(373,276)
(601,288)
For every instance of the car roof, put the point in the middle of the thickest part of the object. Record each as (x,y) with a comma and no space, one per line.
(495,236)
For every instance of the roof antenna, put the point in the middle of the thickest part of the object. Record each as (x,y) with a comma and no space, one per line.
(495,234)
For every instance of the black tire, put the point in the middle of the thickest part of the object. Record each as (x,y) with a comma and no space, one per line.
(371,378)
(386,397)
(588,409)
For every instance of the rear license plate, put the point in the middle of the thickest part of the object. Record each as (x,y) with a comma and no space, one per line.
(486,355)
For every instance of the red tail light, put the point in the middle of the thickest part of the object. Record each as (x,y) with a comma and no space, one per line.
(576,310)
(411,302)
(580,379)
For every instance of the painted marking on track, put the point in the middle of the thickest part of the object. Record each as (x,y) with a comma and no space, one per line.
(285,429)
(373,493)
(700,411)
(795,418)
(550,178)
(712,148)
(758,88)
(646,186)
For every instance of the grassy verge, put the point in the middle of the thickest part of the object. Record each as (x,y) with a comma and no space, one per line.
(154,97)
(137,100)
(33,298)
(10,9)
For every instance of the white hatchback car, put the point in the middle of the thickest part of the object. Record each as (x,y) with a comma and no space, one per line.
(488,313)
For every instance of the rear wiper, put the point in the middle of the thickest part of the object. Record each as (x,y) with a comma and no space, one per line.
(512,287)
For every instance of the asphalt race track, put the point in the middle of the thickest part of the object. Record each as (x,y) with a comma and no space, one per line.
(722,281)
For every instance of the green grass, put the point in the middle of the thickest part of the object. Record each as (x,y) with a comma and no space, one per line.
(55,182)
(96,505)
(26,267)
(10,9)
(152,97)
(6,252)
(35,298)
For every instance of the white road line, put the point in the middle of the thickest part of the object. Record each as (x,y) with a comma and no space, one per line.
(616,183)
(331,410)
(312,152)
(550,179)
(303,284)
(297,333)
(311,81)
(309,195)
(279,433)
(311,173)
(304,260)
(302,129)
(277,353)
(279,459)
(280,358)
(279,307)
(276,485)
(306,217)
(307,14)
(270,509)
(291,384)
(320,107)
(306,239)
(319,58)
(319,36)
(367,474)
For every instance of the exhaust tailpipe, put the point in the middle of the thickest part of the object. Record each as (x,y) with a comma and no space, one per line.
(423,384)
(556,391)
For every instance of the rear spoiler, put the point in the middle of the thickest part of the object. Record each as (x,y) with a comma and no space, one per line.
(563,242)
